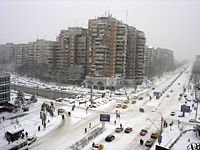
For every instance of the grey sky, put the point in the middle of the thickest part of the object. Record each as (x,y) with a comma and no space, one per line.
(172,24)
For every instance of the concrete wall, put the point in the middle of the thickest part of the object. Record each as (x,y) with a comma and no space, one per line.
(48,93)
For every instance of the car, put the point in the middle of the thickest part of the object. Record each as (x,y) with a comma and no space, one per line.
(143,132)
(109,138)
(59,100)
(135,97)
(167,95)
(141,109)
(171,91)
(172,113)
(133,102)
(31,139)
(118,105)
(153,88)
(124,106)
(97,146)
(149,143)
(128,130)
(154,135)
(118,129)
(126,101)
(194,121)
(60,110)
(140,98)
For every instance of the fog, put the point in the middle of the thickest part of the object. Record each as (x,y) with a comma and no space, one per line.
(172,24)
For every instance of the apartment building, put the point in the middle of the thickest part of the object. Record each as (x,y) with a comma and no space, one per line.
(4,88)
(158,61)
(2,54)
(106,47)
(72,49)
(43,54)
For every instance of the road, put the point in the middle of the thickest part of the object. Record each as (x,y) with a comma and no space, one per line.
(66,134)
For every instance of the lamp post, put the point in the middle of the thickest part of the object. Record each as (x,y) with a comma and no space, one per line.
(161,123)
(197,99)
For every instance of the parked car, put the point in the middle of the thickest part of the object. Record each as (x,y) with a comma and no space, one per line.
(126,101)
(133,102)
(118,129)
(172,113)
(60,110)
(128,130)
(154,135)
(59,100)
(97,146)
(31,139)
(167,95)
(149,143)
(140,98)
(194,121)
(118,105)
(143,132)
(109,138)
(124,106)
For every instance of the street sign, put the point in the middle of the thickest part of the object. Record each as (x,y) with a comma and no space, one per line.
(159,139)
(105,117)
(156,93)
(185,108)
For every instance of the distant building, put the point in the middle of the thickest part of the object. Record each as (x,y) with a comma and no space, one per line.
(158,61)
(196,65)
(4,88)
(72,49)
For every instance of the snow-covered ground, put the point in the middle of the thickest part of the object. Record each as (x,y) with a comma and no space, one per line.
(61,134)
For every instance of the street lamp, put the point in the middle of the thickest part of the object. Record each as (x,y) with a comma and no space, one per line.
(161,124)
(197,99)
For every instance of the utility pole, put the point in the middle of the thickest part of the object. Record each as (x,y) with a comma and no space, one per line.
(161,128)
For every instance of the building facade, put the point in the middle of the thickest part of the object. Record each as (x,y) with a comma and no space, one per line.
(158,61)
(72,50)
(4,88)
(106,47)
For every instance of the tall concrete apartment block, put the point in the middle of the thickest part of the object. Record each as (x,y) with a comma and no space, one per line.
(43,53)
(106,47)
(4,88)
(158,61)
(7,53)
(72,44)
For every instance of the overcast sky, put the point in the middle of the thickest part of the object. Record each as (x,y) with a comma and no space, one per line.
(172,24)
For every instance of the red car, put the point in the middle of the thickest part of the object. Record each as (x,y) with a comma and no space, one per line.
(128,130)
(143,132)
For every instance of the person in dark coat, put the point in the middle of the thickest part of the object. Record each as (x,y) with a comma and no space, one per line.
(141,141)
(26,134)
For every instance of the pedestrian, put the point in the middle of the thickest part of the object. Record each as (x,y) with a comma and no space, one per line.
(38,128)
(3,118)
(115,122)
(26,134)
(9,140)
(22,135)
(85,130)
(93,144)
(69,113)
(90,125)
(120,125)
(141,141)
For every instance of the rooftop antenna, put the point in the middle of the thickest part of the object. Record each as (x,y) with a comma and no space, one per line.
(127,16)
